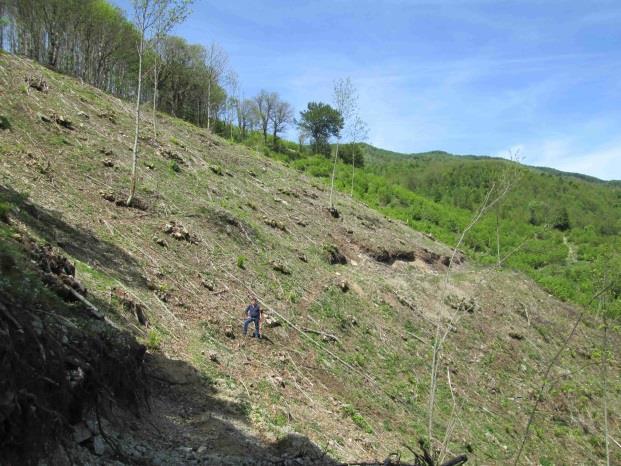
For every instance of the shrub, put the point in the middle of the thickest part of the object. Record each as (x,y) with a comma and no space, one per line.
(241,262)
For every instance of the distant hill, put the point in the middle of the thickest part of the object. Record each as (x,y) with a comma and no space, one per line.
(376,154)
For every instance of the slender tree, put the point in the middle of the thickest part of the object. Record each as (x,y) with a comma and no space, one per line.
(346,103)
(147,15)
(359,132)
(216,62)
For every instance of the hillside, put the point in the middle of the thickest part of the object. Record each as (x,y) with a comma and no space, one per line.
(562,229)
(352,306)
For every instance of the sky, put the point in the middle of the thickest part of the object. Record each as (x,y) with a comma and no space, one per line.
(540,78)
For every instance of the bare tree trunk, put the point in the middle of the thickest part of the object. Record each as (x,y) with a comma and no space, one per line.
(336,156)
(353,167)
(132,189)
(155,83)
(605,382)
(497,239)
(209,104)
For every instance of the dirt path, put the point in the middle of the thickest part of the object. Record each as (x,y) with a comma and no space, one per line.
(572,256)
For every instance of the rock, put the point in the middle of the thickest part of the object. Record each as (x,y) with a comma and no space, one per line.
(462,304)
(110,116)
(84,115)
(202,449)
(216,169)
(344,286)
(63,121)
(275,224)
(179,232)
(271,322)
(160,241)
(302,257)
(333,255)
(213,357)
(279,267)
(279,381)
(108,196)
(228,332)
(107,163)
(130,305)
(99,445)
(81,432)
(208,284)
(44,118)
(170,155)
(334,212)
(516,335)
(38,83)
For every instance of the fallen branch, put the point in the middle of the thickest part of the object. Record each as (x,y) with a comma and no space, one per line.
(324,335)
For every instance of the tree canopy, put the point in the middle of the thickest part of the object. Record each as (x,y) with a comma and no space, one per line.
(321,122)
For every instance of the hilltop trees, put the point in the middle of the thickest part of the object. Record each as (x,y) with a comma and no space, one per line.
(321,122)
(90,39)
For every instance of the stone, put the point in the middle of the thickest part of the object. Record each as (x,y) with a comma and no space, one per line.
(81,432)
(99,445)
(280,267)
(213,357)
(228,332)
(107,163)
(271,322)
(334,212)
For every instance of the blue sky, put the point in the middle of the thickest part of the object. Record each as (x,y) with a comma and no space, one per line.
(466,76)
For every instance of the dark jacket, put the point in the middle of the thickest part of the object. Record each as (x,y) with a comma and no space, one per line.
(254,311)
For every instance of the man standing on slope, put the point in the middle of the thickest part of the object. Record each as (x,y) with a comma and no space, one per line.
(253,314)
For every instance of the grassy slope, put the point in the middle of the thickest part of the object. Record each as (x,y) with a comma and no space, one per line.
(363,396)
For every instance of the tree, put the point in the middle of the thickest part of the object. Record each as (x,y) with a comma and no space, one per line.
(281,116)
(265,103)
(147,15)
(321,122)
(177,12)
(346,103)
(216,62)
(359,132)
(244,112)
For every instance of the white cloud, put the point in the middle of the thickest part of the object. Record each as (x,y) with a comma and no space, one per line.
(603,162)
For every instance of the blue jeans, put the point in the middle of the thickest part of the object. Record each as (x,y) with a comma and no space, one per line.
(256,326)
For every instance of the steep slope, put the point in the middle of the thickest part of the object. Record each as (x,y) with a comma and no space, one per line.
(352,301)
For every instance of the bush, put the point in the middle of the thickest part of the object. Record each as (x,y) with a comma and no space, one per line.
(241,262)
(358,419)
